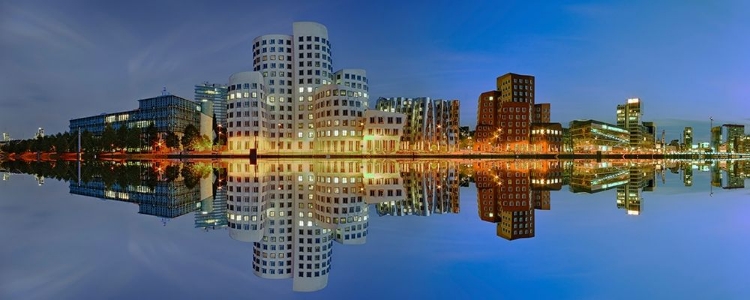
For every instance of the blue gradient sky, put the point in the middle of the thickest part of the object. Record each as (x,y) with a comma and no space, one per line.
(687,60)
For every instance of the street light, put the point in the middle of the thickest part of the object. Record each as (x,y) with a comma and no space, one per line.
(439,127)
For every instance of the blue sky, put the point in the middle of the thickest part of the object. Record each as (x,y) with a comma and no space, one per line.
(687,60)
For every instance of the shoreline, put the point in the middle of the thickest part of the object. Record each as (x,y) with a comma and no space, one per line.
(530,156)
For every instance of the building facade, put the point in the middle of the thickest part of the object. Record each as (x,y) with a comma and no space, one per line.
(591,136)
(216,94)
(629,118)
(431,125)
(302,106)
(687,138)
(505,115)
(735,136)
(716,138)
(546,138)
(168,113)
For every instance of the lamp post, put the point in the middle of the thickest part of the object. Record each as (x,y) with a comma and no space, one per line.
(498,136)
(220,134)
(711,133)
(438,136)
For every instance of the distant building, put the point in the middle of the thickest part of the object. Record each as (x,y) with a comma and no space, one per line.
(431,125)
(166,113)
(649,136)
(629,118)
(716,137)
(215,93)
(592,136)
(39,133)
(505,115)
(687,138)
(735,136)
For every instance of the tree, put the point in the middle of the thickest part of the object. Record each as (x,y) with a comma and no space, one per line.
(122,137)
(109,138)
(88,142)
(171,140)
(152,135)
(202,143)
(189,136)
(133,138)
(61,143)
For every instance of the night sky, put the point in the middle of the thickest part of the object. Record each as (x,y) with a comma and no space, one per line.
(686,60)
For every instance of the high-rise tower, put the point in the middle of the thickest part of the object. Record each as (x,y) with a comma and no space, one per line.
(629,118)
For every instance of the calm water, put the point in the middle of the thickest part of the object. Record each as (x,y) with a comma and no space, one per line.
(376,230)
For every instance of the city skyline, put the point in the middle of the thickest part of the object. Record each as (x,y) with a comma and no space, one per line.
(61,60)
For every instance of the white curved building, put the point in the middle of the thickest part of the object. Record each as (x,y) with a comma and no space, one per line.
(339,204)
(337,115)
(297,71)
(246,202)
(247,125)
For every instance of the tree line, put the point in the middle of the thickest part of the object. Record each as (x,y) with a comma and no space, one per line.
(126,139)
(111,173)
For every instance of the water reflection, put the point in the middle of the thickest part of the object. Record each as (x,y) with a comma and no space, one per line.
(294,212)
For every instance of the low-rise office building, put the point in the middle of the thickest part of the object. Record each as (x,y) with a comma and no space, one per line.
(431,125)
(592,136)
(168,113)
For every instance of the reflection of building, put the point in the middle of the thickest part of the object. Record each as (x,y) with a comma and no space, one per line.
(735,176)
(429,188)
(292,211)
(546,176)
(216,94)
(431,125)
(273,206)
(687,174)
(716,178)
(629,195)
(165,199)
(504,197)
(591,136)
(594,177)
(213,212)
(339,205)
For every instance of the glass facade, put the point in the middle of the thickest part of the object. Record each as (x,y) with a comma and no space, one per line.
(166,112)
(216,94)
